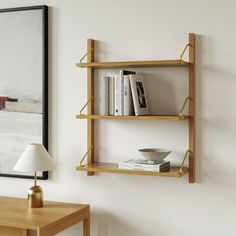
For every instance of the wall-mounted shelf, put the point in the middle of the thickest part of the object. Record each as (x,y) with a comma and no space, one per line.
(99,167)
(133,64)
(158,117)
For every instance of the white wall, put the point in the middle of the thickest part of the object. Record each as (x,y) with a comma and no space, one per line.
(129,29)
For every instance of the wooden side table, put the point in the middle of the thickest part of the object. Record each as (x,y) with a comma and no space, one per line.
(17,219)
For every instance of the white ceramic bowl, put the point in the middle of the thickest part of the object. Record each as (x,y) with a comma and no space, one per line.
(155,154)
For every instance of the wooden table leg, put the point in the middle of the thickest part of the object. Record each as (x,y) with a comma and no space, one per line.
(8,231)
(86,227)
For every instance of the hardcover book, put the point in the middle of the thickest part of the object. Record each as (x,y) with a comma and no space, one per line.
(104,96)
(111,96)
(128,102)
(138,165)
(119,83)
(119,92)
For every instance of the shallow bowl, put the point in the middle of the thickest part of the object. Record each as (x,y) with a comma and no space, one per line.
(155,154)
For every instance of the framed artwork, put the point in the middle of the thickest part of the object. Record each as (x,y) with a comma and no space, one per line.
(23,84)
(138,92)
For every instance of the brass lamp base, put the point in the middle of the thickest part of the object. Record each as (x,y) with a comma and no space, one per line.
(35,197)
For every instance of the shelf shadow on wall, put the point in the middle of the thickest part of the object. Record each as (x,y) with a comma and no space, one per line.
(213,114)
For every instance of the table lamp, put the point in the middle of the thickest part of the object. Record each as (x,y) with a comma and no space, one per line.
(34,158)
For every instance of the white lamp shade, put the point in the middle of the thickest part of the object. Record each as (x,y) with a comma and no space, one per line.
(34,158)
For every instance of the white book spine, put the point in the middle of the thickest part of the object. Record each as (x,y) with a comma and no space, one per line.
(122,93)
(104,96)
(141,168)
(111,95)
(132,165)
(128,103)
(119,81)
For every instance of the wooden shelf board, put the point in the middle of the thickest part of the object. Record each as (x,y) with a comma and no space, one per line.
(101,167)
(159,117)
(133,64)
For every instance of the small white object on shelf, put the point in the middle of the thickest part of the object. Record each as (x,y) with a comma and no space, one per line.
(111,95)
(155,154)
(119,97)
(104,96)
(142,165)
(128,102)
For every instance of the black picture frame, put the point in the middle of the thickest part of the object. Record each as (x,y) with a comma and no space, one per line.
(44,53)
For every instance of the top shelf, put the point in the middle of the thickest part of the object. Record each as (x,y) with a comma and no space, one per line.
(133,64)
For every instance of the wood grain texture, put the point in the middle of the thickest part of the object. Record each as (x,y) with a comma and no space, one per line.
(7,231)
(90,108)
(158,117)
(192,108)
(86,227)
(134,64)
(53,218)
(101,167)
(93,167)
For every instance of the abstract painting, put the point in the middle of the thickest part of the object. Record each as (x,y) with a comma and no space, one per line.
(23,84)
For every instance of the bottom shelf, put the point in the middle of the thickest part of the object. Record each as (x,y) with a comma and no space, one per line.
(101,167)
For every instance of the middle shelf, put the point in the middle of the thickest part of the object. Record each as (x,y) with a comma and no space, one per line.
(148,117)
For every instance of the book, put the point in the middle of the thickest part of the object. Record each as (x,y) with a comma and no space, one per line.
(119,96)
(127,105)
(128,102)
(119,92)
(139,97)
(111,96)
(148,162)
(133,164)
(104,96)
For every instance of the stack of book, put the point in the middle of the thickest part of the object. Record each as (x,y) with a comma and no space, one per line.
(123,95)
(145,165)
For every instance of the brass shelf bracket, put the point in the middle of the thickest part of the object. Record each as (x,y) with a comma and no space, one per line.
(183,106)
(182,164)
(85,155)
(85,105)
(182,54)
(85,55)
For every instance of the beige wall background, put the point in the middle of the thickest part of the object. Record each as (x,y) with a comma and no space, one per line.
(133,30)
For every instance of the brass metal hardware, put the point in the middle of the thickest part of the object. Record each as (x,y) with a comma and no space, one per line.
(35,195)
(86,54)
(181,56)
(182,164)
(85,155)
(182,108)
(86,104)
